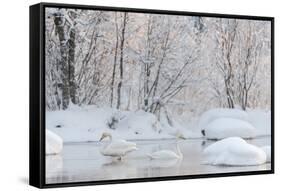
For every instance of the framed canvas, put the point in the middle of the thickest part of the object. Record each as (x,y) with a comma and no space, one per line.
(123,95)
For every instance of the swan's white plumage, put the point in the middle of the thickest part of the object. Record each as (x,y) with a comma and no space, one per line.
(117,148)
(233,151)
(166,154)
(54,143)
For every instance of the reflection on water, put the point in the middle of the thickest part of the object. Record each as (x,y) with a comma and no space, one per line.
(83,162)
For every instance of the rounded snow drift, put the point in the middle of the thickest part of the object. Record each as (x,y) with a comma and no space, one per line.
(54,143)
(228,127)
(213,114)
(233,151)
(267,150)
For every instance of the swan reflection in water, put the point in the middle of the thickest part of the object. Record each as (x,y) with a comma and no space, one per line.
(84,162)
(116,169)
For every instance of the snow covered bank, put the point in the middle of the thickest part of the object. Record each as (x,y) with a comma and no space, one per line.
(228,127)
(84,124)
(213,114)
(54,143)
(222,123)
(233,151)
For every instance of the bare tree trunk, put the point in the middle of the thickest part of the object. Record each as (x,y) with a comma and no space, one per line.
(121,60)
(147,64)
(129,99)
(146,81)
(250,66)
(154,87)
(229,95)
(71,62)
(59,21)
(114,63)
(226,40)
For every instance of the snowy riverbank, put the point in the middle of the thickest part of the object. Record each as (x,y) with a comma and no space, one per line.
(85,124)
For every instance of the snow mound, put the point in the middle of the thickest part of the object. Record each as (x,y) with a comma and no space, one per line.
(139,120)
(214,114)
(54,143)
(233,151)
(228,127)
(267,150)
(79,124)
(86,124)
(180,128)
(141,125)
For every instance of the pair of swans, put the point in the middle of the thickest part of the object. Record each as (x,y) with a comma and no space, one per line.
(119,148)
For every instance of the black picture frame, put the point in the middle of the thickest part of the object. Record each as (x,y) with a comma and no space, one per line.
(37,95)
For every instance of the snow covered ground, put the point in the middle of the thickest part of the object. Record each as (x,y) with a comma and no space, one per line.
(222,123)
(85,124)
(229,127)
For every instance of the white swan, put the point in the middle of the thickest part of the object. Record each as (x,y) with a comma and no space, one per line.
(166,154)
(117,148)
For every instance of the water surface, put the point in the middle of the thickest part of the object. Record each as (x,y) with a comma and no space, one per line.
(83,162)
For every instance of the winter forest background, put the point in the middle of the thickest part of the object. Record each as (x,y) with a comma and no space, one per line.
(167,65)
(183,94)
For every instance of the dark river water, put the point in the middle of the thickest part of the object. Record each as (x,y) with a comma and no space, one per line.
(83,162)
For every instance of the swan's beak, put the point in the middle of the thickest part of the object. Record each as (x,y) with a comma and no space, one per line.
(182,137)
(102,137)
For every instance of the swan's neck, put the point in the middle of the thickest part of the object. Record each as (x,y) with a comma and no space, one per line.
(102,150)
(107,136)
(179,151)
(110,138)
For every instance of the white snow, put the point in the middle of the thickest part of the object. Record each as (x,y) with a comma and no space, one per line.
(229,127)
(84,124)
(54,143)
(213,114)
(222,122)
(233,151)
(141,124)
(181,127)
(267,150)
(87,123)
